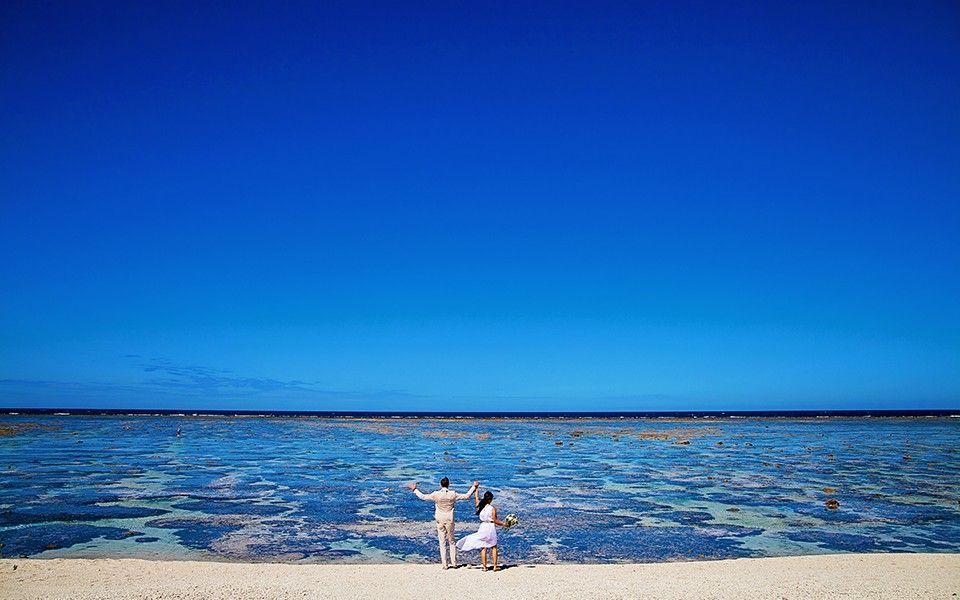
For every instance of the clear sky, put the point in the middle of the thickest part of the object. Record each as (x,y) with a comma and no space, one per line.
(486,206)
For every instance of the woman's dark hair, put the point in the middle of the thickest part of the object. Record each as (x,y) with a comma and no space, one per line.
(487,499)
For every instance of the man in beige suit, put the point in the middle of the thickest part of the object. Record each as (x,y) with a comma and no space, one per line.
(445,499)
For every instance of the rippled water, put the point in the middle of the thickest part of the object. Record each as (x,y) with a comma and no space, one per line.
(308,489)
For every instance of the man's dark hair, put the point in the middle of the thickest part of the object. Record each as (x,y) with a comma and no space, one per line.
(444,482)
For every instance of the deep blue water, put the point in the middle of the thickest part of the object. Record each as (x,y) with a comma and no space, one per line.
(597,490)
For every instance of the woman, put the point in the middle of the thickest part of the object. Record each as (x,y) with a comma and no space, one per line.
(486,536)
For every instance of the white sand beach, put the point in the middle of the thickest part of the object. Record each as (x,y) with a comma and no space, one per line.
(894,576)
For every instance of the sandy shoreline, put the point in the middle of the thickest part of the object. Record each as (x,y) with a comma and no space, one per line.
(895,576)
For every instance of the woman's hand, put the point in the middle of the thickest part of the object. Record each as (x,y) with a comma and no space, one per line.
(412,485)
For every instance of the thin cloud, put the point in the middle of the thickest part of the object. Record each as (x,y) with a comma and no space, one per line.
(194,385)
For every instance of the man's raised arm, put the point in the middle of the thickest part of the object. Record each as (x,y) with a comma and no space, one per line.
(420,494)
(470,492)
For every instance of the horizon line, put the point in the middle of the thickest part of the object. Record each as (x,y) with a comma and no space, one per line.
(194,412)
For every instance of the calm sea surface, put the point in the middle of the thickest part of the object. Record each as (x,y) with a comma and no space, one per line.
(319,490)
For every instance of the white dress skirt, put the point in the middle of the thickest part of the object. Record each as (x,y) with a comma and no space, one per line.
(485,537)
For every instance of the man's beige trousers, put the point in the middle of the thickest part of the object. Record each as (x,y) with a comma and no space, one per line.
(445,536)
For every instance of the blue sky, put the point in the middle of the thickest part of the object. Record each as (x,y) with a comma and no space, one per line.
(494,206)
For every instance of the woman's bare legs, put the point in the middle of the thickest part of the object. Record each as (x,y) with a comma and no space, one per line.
(483,557)
(495,567)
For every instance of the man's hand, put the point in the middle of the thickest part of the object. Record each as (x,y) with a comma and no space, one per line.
(476,484)
(412,485)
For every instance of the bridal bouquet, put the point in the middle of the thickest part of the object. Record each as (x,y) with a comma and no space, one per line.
(511,520)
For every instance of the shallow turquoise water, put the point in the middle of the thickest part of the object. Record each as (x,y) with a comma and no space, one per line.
(309,489)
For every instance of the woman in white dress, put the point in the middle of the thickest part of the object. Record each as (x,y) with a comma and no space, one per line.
(486,536)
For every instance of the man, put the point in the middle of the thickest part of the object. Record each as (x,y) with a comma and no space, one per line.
(445,499)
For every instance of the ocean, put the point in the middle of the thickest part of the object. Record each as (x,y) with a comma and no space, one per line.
(328,488)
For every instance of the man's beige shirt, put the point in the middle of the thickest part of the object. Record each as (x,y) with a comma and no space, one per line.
(445,499)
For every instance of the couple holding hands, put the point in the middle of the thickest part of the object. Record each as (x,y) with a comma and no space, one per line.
(485,537)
